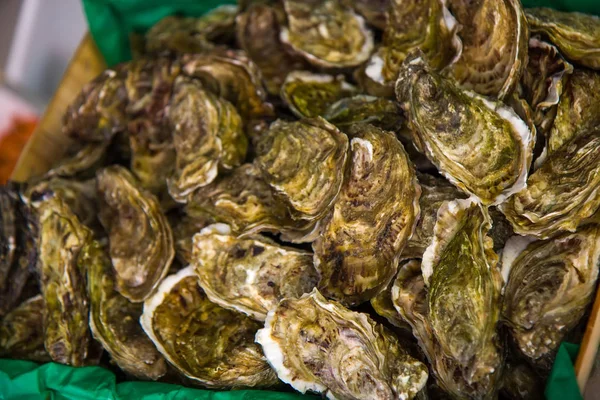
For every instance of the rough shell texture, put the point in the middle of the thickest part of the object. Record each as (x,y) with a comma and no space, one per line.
(576,35)
(384,306)
(184,228)
(318,345)
(114,320)
(207,135)
(464,285)
(22,332)
(62,238)
(80,160)
(374,11)
(550,284)
(18,246)
(309,95)
(494,38)
(326,33)
(371,220)
(304,163)
(562,193)
(482,147)
(141,241)
(383,113)
(258,31)
(250,274)
(208,344)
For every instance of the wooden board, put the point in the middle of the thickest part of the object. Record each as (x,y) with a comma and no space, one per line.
(48,144)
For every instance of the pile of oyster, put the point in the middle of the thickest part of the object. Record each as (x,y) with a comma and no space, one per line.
(365,199)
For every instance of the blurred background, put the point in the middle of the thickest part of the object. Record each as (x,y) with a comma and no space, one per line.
(37,40)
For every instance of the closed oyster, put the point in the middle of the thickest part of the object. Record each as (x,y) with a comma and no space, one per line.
(318,345)
(22,332)
(372,219)
(231,75)
(494,38)
(62,238)
(412,24)
(207,134)
(463,301)
(250,274)
(562,193)
(114,320)
(578,110)
(81,159)
(180,35)
(18,246)
(434,192)
(304,162)
(384,306)
(383,113)
(308,94)
(258,30)
(208,344)
(543,81)
(576,35)
(184,228)
(374,11)
(482,147)
(141,241)
(550,284)
(326,33)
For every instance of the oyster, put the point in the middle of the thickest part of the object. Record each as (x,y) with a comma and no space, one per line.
(80,160)
(184,228)
(372,219)
(562,193)
(434,191)
(550,284)
(250,274)
(383,113)
(114,321)
(22,332)
(61,240)
(456,321)
(141,241)
(208,344)
(578,110)
(318,345)
(576,35)
(494,38)
(258,34)
(384,306)
(374,11)
(207,134)
(303,161)
(180,35)
(543,81)
(231,75)
(481,146)
(18,246)
(326,33)
(308,94)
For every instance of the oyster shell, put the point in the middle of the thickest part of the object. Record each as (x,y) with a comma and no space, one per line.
(231,75)
(434,192)
(18,246)
(384,306)
(207,134)
(184,228)
(250,274)
(562,193)
(577,35)
(208,344)
(481,146)
(375,12)
(383,113)
(180,35)
(61,240)
(141,241)
(494,38)
(456,321)
(114,320)
(22,332)
(326,33)
(82,159)
(258,34)
(372,219)
(318,345)
(309,95)
(303,162)
(550,284)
